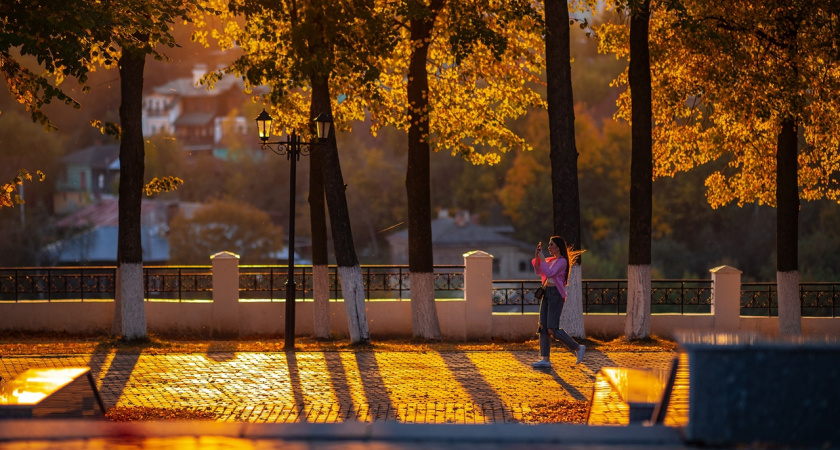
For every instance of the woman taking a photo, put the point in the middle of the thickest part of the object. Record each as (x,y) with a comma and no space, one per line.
(554,272)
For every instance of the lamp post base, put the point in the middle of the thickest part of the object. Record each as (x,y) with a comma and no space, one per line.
(291,293)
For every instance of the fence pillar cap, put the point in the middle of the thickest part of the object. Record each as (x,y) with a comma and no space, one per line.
(225,255)
(725,269)
(477,254)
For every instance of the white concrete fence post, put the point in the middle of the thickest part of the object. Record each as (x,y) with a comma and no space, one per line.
(726,298)
(225,294)
(478,295)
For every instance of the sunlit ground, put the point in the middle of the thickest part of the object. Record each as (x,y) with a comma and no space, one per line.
(407,381)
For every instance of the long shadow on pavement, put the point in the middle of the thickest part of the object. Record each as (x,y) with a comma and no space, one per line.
(473,382)
(376,393)
(589,367)
(116,375)
(338,380)
(294,382)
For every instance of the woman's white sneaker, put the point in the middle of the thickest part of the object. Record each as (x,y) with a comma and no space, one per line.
(541,364)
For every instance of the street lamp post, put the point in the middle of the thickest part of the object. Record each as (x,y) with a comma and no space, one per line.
(292,148)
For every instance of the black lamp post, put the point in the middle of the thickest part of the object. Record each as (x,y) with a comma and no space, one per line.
(292,148)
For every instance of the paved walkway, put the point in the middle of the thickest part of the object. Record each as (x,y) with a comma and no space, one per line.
(430,387)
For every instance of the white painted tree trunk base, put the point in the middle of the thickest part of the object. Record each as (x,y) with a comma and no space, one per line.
(321,301)
(132,313)
(424,318)
(790,306)
(571,320)
(637,324)
(353,291)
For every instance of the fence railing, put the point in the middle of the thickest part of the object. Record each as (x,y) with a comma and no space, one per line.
(57,283)
(160,283)
(819,299)
(380,281)
(178,283)
(610,296)
(195,283)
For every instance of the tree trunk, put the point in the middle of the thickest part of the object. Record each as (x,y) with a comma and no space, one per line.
(320,262)
(637,323)
(641,176)
(424,319)
(352,286)
(787,230)
(572,318)
(130,313)
(563,149)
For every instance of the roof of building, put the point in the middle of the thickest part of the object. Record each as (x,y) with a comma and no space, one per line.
(461,232)
(99,245)
(186,87)
(95,156)
(188,119)
(105,213)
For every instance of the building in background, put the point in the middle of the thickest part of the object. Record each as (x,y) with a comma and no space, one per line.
(90,234)
(86,175)
(199,117)
(454,236)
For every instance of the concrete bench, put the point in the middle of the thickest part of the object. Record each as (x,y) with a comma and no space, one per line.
(749,389)
(51,393)
(623,396)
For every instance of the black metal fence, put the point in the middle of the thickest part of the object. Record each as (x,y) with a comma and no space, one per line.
(178,283)
(195,283)
(818,299)
(160,283)
(610,296)
(57,283)
(381,282)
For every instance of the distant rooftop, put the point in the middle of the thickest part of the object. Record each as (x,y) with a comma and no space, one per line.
(95,156)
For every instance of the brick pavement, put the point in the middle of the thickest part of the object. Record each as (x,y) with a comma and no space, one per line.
(343,386)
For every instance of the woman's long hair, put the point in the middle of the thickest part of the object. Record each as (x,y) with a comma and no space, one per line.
(572,256)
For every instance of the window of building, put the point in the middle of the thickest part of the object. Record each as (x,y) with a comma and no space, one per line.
(523,266)
(497,266)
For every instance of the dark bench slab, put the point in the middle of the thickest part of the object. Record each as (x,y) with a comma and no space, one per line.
(51,393)
(749,389)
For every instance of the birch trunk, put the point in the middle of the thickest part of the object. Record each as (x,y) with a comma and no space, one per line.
(572,318)
(354,301)
(637,324)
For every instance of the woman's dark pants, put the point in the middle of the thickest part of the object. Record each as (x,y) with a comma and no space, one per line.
(551,306)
